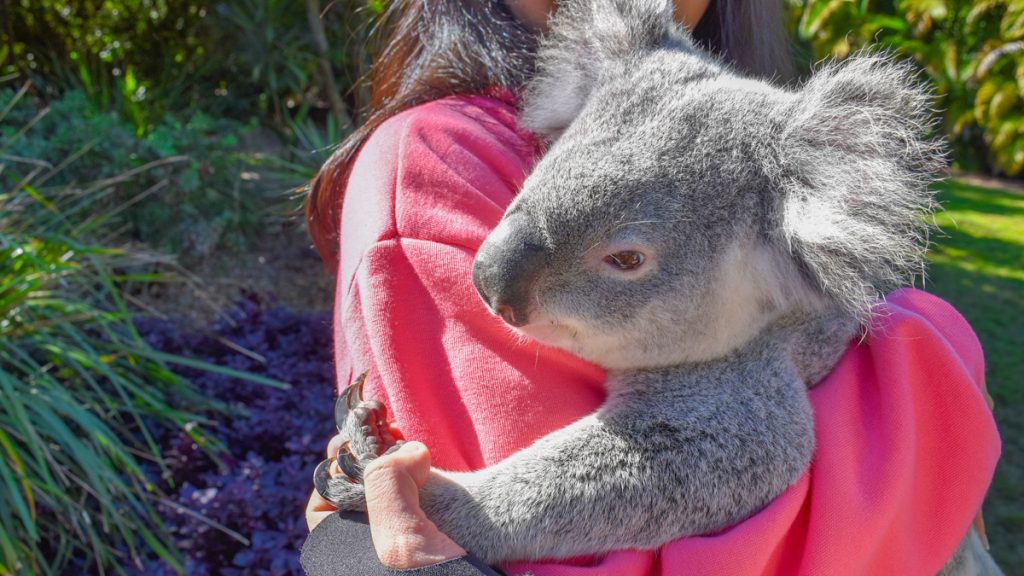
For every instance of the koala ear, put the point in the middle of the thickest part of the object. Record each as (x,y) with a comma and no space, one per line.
(584,38)
(856,158)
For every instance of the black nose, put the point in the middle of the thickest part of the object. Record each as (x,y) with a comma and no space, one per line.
(507,266)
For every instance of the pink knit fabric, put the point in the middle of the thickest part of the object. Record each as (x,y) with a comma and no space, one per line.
(906,444)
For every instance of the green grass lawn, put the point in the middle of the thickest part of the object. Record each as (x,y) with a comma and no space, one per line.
(978,266)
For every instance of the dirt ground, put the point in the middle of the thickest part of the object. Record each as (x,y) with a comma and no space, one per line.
(281,268)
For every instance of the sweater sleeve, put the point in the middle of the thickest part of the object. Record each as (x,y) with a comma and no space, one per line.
(906,449)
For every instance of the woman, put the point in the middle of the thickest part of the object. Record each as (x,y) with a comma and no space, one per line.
(428,176)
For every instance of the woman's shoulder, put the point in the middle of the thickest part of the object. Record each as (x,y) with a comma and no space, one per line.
(442,171)
(914,312)
(904,436)
(485,123)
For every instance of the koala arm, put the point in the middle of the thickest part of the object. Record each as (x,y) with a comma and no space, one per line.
(651,466)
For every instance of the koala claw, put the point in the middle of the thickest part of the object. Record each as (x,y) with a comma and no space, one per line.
(335,479)
(367,431)
(364,426)
(326,484)
(347,400)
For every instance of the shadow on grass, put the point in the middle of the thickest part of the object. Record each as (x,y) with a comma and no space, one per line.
(978,266)
(958,195)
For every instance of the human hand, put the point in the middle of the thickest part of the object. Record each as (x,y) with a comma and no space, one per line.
(317,508)
(403,536)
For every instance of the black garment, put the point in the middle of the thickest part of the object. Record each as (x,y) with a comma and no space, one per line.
(341,546)
(707,34)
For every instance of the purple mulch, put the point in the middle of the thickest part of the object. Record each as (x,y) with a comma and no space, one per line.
(273,446)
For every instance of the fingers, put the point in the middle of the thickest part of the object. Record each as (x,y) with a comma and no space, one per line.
(411,459)
(316,510)
(402,534)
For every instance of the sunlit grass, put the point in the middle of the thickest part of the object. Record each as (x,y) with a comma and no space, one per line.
(978,266)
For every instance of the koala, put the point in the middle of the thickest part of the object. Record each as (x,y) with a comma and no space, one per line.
(714,242)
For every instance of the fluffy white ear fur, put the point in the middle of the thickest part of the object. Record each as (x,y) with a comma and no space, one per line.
(586,36)
(856,158)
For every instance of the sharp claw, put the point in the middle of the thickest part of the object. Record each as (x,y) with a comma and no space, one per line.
(347,464)
(348,399)
(320,477)
(340,412)
(358,385)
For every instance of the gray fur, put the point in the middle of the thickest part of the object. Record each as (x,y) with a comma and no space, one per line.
(771,220)
(971,559)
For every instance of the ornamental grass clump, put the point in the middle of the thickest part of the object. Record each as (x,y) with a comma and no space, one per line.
(83,395)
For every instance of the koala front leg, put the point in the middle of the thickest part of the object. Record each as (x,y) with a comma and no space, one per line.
(632,478)
(367,434)
(554,499)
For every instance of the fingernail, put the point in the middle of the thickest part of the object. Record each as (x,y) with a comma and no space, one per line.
(410,447)
(397,447)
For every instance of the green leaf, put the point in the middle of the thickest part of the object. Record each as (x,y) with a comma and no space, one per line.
(1004,101)
(206,366)
(816,14)
(1012,23)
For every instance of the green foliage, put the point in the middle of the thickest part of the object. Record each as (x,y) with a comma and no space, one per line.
(190,187)
(83,394)
(274,52)
(145,58)
(81,391)
(973,51)
(185,90)
(106,49)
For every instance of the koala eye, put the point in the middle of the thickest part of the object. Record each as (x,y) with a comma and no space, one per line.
(625,260)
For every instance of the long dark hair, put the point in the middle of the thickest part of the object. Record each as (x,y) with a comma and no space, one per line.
(435,48)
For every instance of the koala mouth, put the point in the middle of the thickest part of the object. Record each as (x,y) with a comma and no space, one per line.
(550,331)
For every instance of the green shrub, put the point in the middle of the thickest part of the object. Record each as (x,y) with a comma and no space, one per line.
(83,394)
(191,187)
(145,58)
(973,51)
(141,57)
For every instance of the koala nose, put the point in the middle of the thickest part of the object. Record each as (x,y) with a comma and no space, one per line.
(508,314)
(506,266)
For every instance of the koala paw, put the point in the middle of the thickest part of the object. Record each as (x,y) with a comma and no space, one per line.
(345,494)
(367,433)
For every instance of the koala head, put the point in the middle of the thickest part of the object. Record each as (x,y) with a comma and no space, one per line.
(681,208)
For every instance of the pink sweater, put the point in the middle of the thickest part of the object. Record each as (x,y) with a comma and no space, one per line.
(906,444)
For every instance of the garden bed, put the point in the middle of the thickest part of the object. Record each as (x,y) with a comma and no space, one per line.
(281,267)
(252,502)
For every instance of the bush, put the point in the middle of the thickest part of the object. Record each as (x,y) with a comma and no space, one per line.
(147,58)
(972,51)
(83,395)
(189,186)
(106,49)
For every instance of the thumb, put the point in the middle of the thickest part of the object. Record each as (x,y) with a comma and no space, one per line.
(402,534)
(409,458)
